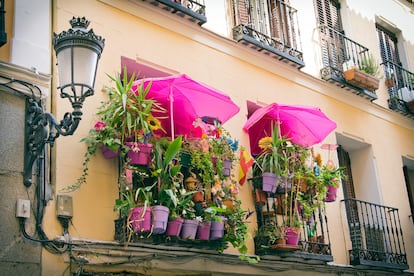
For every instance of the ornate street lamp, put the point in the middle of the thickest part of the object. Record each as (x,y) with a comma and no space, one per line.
(77,52)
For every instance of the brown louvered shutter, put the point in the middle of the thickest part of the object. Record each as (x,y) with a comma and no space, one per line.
(332,45)
(242,12)
(281,22)
(388,45)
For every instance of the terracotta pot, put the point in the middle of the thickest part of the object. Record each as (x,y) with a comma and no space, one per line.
(260,196)
(198,197)
(361,79)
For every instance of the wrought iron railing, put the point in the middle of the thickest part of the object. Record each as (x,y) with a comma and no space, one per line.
(274,29)
(400,83)
(314,240)
(193,10)
(376,235)
(337,49)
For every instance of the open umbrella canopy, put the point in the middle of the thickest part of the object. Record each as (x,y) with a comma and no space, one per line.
(186,100)
(304,125)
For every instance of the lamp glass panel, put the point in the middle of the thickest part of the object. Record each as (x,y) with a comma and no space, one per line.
(85,63)
(64,67)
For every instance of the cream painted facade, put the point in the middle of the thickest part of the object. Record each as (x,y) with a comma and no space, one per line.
(379,140)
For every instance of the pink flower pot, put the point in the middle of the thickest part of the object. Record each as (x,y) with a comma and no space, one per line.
(107,153)
(331,194)
(189,229)
(269,182)
(159,219)
(140,219)
(203,230)
(139,154)
(174,227)
(292,236)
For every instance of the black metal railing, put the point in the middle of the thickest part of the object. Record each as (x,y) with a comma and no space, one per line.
(275,30)
(337,50)
(376,235)
(400,83)
(193,10)
(314,240)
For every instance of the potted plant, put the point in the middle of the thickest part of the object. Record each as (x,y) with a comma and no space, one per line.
(331,177)
(389,78)
(270,235)
(365,75)
(272,160)
(130,112)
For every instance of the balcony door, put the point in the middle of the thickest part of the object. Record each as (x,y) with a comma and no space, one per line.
(330,25)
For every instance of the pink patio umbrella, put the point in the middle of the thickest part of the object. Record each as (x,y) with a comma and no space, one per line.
(304,125)
(186,100)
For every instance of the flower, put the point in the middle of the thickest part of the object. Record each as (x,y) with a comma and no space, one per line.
(99,126)
(154,123)
(266,143)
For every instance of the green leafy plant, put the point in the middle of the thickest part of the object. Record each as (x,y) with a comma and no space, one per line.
(369,65)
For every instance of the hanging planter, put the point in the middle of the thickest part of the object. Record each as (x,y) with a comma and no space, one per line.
(140,219)
(189,229)
(203,230)
(109,154)
(139,153)
(269,182)
(331,194)
(227,164)
(217,229)
(361,79)
(159,219)
(292,236)
(174,227)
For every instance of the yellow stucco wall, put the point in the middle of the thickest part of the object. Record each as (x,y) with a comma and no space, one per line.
(243,74)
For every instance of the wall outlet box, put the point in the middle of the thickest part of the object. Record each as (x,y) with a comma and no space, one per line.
(64,206)
(23,208)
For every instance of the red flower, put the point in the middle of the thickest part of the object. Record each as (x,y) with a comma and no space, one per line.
(99,126)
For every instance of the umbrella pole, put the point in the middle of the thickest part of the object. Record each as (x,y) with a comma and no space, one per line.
(172,113)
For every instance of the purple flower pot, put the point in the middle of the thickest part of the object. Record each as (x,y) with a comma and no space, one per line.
(217,229)
(189,229)
(140,219)
(331,194)
(159,219)
(107,153)
(174,227)
(203,230)
(269,182)
(227,164)
(139,154)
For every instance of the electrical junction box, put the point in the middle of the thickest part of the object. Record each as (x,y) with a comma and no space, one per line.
(64,206)
(23,208)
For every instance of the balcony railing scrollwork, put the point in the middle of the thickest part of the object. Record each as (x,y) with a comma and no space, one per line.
(376,235)
(193,10)
(400,84)
(276,34)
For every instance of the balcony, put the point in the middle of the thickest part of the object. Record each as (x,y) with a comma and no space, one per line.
(192,10)
(400,84)
(376,235)
(278,38)
(314,242)
(337,49)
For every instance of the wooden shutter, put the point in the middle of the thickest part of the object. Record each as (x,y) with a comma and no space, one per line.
(242,10)
(281,22)
(388,45)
